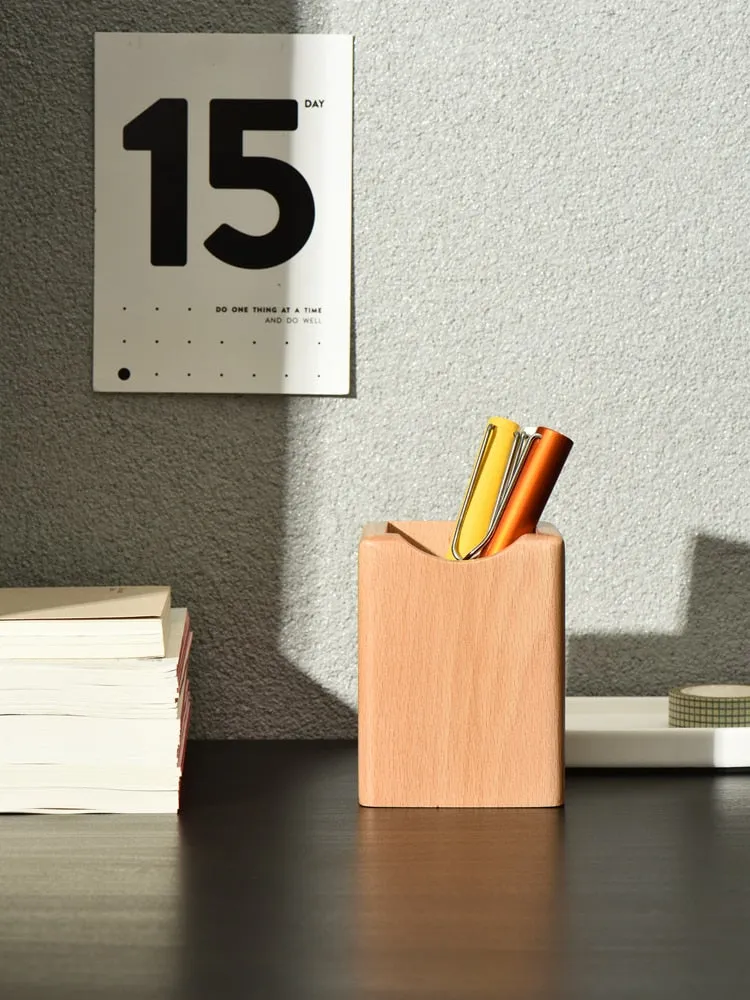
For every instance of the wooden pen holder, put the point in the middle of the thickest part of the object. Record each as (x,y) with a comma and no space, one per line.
(461,670)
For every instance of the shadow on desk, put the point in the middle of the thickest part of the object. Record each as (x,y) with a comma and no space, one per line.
(275,884)
(458,903)
(291,887)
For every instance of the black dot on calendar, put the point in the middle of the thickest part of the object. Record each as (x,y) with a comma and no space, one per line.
(124,374)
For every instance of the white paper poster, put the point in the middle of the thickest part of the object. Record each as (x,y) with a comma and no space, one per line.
(223,213)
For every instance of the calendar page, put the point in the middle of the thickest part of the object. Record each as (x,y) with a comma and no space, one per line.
(223,213)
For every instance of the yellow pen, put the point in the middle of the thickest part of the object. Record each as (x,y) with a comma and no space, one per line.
(479,501)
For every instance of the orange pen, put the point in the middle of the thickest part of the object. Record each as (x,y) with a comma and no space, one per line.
(535,483)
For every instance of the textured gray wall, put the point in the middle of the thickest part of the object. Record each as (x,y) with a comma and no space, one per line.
(551,222)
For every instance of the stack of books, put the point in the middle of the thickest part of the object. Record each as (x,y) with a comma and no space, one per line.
(94,699)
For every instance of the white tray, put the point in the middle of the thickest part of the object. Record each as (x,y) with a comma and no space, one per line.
(635,732)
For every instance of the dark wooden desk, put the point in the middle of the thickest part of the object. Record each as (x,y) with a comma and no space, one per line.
(274,884)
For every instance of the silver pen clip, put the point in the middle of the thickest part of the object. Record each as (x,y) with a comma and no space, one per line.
(519,452)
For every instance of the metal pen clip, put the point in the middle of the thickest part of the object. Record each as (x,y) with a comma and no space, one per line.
(522,442)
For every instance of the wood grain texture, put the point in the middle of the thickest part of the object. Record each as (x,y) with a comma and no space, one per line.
(427,881)
(275,885)
(91,907)
(461,671)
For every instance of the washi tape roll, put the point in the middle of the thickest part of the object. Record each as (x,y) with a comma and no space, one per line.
(710,706)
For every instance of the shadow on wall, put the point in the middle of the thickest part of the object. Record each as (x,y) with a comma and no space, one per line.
(248,687)
(714,646)
(120,488)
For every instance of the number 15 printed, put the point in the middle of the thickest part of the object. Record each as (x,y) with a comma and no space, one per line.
(162,130)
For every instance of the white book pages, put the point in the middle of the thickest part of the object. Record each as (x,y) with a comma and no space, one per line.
(81,647)
(55,622)
(87,800)
(63,671)
(97,702)
(141,777)
(78,740)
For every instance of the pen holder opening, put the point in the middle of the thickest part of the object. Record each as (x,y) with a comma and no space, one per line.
(461,670)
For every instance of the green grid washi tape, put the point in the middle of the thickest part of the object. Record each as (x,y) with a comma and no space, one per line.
(710,706)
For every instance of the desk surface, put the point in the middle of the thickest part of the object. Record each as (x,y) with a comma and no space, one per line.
(274,884)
